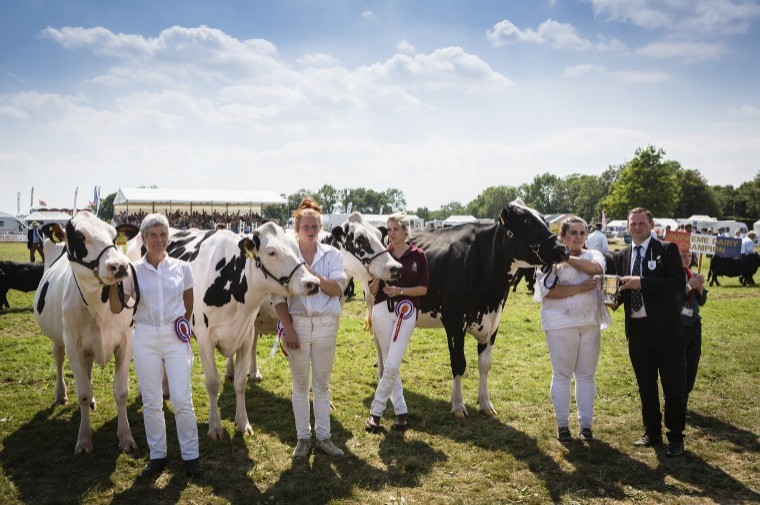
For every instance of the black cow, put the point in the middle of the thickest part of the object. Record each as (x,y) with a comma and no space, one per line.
(745,268)
(529,274)
(20,276)
(470,267)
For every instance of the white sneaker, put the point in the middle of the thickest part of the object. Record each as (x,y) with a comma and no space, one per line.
(303,448)
(328,447)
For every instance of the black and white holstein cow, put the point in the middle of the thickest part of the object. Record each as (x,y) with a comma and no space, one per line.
(71,307)
(470,270)
(364,258)
(233,276)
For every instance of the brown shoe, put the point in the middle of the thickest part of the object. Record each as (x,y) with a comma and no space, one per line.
(400,423)
(372,424)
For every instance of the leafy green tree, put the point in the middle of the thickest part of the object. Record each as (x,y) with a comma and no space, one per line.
(696,196)
(586,193)
(646,181)
(749,196)
(328,198)
(395,201)
(492,200)
(547,193)
(105,212)
(726,197)
(450,209)
(423,213)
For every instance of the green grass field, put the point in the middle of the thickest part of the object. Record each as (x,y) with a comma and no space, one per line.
(513,458)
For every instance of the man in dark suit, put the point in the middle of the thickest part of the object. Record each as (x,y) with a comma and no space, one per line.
(34,242)
(652,276)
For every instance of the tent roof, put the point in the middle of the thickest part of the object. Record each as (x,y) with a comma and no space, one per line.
(460,219)
(698,217)
(199,196)
(46,217)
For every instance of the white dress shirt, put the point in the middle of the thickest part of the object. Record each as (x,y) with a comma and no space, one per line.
(328,263)
(643,251)
(161,290)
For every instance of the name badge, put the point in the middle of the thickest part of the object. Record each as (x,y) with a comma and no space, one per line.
(651,264)
(686,311)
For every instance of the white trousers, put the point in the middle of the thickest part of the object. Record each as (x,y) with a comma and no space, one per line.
(574,352)
(317,337)
(393,339)
(155,349)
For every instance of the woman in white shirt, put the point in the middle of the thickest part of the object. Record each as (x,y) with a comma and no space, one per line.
(161,343)
(572,315)
(310,326)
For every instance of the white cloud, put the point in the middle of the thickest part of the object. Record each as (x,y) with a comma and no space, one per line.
(580,70)
(693,17)
(368,15)
(684,50)
(317,60)
(405,47)
(746,110)
(558,35)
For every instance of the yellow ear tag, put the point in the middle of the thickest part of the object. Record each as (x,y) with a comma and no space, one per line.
(121,240)
(501,220)
(249,253)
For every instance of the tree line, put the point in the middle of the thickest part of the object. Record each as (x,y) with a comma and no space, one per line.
(648,180)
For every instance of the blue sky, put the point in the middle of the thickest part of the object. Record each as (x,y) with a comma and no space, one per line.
(439,99)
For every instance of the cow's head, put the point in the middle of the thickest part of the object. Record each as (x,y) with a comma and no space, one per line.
(276,258)
(364,255)
(531,243)
(90,248)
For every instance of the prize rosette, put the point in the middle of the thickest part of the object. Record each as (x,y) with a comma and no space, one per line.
(182,328)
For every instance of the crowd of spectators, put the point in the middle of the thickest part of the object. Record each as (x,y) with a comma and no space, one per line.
(183,220)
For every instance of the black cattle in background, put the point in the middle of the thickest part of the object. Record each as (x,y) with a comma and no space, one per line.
(19,276)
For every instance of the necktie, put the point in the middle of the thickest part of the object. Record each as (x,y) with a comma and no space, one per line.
(636,300)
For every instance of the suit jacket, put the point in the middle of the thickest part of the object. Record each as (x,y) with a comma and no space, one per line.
(30,237)
(659,286)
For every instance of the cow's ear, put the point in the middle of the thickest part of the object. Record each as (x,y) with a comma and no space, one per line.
(504,217)
(338,233)
(383,233)
(250,244)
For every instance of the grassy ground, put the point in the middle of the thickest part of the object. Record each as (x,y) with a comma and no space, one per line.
(511,458)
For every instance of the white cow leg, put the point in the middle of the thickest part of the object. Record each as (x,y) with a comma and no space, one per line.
(121,394)
(485,360)
(229,369)
(254,372)
(213,384)
(81,367)
(457,402)
(241,381)
(59,355)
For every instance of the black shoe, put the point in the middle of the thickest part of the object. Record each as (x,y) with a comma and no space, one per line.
(563,435)
(193,468)
(401,423)
(155,467)
(675,449)
(586,435)
(648,441)
(372,424)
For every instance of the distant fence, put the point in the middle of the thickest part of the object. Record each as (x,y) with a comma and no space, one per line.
(11,236)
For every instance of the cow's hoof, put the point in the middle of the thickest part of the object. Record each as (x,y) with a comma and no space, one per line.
(248,430)
(83,448)
(461,414)
(489,412)
(93,404)
(215,434)
(257,378)
(62,401)
(127,445)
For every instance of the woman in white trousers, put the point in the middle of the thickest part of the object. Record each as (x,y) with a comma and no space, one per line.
(393,318)
(572,315)
(310,326)
(161,343)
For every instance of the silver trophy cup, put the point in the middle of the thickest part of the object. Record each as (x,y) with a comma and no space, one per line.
(609,285)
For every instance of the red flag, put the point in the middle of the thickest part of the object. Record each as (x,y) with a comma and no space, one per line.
(43,203)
